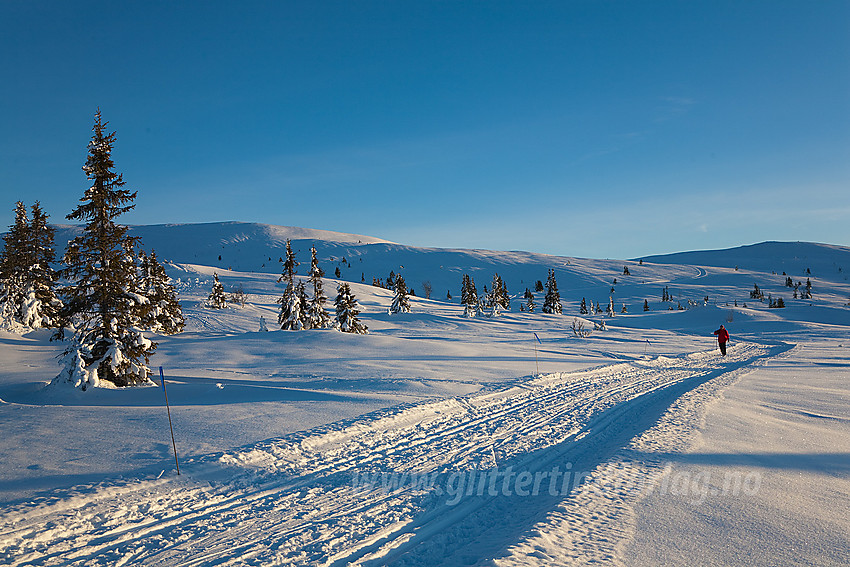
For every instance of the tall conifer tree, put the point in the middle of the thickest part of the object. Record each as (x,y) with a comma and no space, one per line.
(552,301)
(317,315)
(100,302)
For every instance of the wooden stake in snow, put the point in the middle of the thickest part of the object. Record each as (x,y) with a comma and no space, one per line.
(173,445)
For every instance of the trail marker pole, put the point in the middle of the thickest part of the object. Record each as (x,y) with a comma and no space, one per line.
(536,364)
(171,427)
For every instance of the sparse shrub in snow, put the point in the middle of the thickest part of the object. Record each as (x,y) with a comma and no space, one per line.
(347,311)
(238,295)
(552,301)
(600,326)
(102,304)
(400,303)
(578,328)
(217,299)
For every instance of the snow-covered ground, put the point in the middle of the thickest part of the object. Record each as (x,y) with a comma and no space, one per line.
(441,440)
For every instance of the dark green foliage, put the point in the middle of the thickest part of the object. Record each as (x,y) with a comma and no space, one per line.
(552,301)
(100,301)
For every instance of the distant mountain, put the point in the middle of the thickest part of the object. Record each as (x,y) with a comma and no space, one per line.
(794,258)
(255,247)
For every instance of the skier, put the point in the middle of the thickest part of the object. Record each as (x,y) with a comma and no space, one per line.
(722,338)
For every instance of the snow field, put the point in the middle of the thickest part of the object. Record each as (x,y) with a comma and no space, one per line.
(356,494)
(433,440)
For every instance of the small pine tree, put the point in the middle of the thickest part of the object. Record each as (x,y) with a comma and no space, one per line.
(624,310)
(469,297)
(317,315)
(164,314)
(645,305)
(583,307)
(400,303)
(217,299)
(626,271)
(530,306)
(346,319)
(290,266)
(552,301)
(538,287)
(610,309)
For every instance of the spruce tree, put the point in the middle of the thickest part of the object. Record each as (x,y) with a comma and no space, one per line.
(552,301)
(100,302)
(530,306)
(164,315)
(400,303)
(13,262)
(291,316)
(317,315)
(41,307)
(583,308)
(469,297)
(347,311)
(217,299)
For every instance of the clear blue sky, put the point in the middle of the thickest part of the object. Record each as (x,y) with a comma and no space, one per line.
(588,128)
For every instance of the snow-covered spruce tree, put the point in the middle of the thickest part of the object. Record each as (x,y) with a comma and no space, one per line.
(164,315)
(41,306)
(530,306)
(101,305)
(27,279)
(552,301)
(317,316)
(13,261)
(500,292)
(347,311)
(217,299)
(291,316)
(469,297)
(400,303)
(583,308)
(610,309)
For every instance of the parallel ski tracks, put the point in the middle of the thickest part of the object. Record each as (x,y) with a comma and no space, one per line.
(298,506)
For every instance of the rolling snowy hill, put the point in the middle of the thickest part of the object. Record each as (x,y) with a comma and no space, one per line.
(438,439)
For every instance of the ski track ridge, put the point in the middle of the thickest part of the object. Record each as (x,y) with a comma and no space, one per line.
(293,501)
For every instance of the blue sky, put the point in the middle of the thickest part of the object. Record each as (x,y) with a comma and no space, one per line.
(585,128)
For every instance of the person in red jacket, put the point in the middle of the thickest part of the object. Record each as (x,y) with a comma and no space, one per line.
(722,339)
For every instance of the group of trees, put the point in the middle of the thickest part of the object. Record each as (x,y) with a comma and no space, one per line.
(27,279)
(300,312)
(112,293)
(115,292)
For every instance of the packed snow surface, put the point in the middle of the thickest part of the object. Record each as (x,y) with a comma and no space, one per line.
(438,439)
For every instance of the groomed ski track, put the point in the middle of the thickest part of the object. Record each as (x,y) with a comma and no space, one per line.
(455,481)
